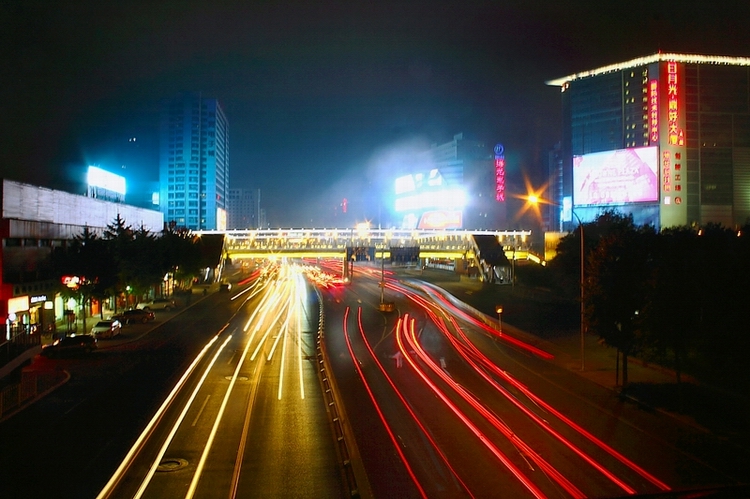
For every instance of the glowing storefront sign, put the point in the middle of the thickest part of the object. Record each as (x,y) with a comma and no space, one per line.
(18,304)
(72,281)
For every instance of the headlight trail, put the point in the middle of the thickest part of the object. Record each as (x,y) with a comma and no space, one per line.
(172,432)
(127,460)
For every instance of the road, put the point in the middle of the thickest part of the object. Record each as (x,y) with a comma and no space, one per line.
(225,399)
(222,399)
(468,411)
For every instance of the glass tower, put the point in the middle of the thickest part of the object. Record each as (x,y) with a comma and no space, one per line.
(193,162)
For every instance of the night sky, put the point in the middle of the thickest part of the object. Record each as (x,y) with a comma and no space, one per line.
(325,100)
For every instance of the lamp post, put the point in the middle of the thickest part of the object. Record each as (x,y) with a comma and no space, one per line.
(535,200)
(499,310)
(583,307)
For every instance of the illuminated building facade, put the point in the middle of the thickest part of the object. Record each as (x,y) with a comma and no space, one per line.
(665,138)
(194,162)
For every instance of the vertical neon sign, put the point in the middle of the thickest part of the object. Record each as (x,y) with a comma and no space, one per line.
(499,173)
(653,104)
(672,145)
(675,134)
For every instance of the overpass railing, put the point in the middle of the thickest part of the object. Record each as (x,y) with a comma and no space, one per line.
(337,240)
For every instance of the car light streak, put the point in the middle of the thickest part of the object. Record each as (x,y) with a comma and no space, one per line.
(178,422)
(541,403)
(283,333)
(268,331)
(388,428)
(514,470)
(462,350)
(128,459)
(455,310)
(446,305)
(525,449)
(301,299)
(406,405)
(215,428)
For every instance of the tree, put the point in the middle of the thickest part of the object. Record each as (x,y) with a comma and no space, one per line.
(181,255)
(86,259)
(672,314)
(619,275)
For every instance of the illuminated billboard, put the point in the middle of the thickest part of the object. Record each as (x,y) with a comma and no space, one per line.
(616,177)
(98,177)
(426,200)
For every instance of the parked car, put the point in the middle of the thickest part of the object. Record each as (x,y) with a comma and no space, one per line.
(134,315)
(80,343)
(106,329)
(156,304)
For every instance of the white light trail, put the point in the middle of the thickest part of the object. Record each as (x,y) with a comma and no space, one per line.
(177,423)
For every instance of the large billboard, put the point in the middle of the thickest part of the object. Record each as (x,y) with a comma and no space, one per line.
(616,177)
(427,201)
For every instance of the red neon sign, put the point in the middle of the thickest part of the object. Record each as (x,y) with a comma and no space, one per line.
(500,179)
(675,135)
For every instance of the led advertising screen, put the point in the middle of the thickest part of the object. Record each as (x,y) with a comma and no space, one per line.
(426,200)
(616,177)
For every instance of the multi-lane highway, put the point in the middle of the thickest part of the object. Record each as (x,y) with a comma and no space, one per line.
(283,388)
(246,418)
(443,404)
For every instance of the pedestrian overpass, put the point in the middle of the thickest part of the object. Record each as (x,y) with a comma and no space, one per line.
(459,249)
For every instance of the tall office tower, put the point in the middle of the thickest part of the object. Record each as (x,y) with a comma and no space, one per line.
(664,138)
(240,209)
(194,162)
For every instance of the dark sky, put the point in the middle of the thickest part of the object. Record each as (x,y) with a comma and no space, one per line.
(323,98)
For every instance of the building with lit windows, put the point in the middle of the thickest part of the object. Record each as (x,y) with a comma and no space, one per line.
(665,138)
(241,209)
(193,162)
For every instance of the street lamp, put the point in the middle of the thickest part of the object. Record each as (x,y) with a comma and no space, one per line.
(536,201)
(499,310)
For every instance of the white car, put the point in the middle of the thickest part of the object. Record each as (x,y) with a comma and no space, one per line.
(156,304)
(106,329)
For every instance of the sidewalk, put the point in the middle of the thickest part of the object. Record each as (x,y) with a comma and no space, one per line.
(43,375)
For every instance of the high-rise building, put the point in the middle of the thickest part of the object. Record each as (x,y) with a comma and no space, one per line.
(194,162)
(665,138)
(241,209)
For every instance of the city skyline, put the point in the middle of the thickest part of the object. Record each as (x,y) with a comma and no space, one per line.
(319,97)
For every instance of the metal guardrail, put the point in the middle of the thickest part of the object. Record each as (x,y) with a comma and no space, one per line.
(354,474)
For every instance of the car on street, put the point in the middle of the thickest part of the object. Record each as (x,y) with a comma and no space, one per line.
(134,315)
(106,329)
(156,304)
(79,343)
